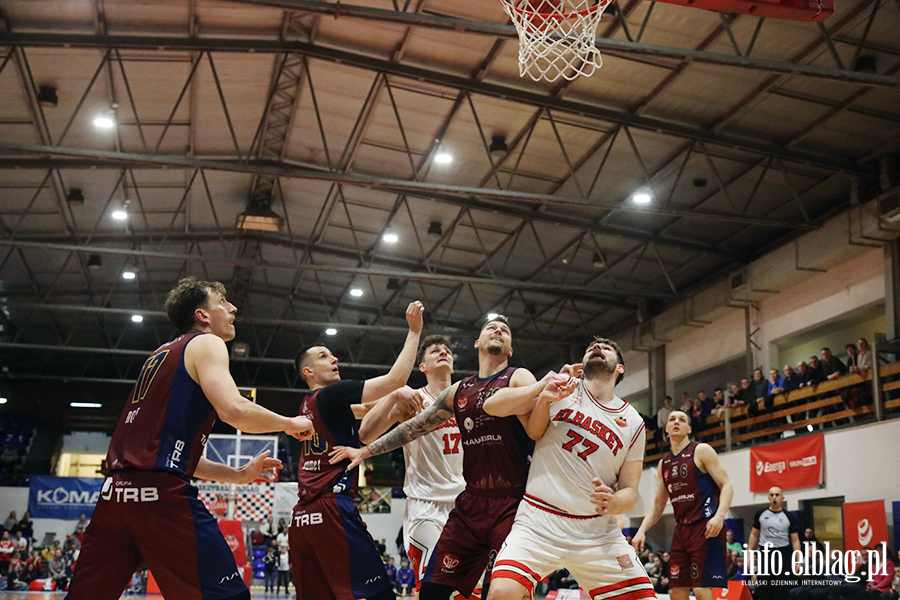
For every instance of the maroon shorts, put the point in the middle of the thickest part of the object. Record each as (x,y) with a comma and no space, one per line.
(472,537)
(332,553)
(695,560)
(154,517)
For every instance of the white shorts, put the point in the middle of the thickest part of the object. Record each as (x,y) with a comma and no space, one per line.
(422,526)
(605,566)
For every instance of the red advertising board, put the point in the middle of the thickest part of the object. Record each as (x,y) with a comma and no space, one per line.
(795,463)
(865,524)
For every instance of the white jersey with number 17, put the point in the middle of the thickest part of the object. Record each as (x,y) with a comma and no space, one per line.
(434,463)
(586,438)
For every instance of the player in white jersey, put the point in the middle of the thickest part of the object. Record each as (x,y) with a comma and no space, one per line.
(586,468)
(433,462)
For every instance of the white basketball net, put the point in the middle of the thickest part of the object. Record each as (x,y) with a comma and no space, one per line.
(556,37)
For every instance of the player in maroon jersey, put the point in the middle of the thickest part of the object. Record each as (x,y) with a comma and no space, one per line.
(148,511)
(692,476)
(496,452)
(332,553)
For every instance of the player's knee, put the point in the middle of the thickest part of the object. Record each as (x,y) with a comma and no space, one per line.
(506,589)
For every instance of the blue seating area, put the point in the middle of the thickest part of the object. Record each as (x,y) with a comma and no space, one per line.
(16,432)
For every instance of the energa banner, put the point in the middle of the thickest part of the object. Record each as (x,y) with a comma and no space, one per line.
(795,463)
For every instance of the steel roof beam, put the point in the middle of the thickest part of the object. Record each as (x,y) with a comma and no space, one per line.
(622,48)
(463,83)
(552,288)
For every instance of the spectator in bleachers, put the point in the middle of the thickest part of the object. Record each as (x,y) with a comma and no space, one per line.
(698,416)
(852,357)
(71,543)
(7,547)
(30,574)
(10,521)
(26,526)
(405,578)
(731,545)
(662,417)
(268,530)
(738,573)
(792,380)
(737,394)
(35,560)
(80,526)
(21,543)
(15,572)
(270,560)
(282,537)
(817,369)
(57,570)
(391,571)
(864,356)
(832,365)
(687,405)
(805,374)
(284,569)
(708,403)
(776,384)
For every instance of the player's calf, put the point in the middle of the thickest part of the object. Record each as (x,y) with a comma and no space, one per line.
(503,588)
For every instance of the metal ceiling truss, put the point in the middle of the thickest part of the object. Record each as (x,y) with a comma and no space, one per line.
(490,89)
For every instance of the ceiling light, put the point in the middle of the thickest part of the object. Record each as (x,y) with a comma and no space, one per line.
(498,144)
(75,196)
(259,216)
(390,238)
(492,316)
(3,400)
(435,228)
(120,214)
(137,318)
(128,274)
(94,261)
(809,427)
(356,292)
(443,158)
(331,331)
(85,405)
(642,198)
(47,97)
(240,350)
(597,261)
(104,122)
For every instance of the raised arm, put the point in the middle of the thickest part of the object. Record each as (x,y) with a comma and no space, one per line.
(707,459)
(399,405)
(519,397)
(381,386)
(261,467)
(206,361)
(653,514)
(556,389)
(422,423)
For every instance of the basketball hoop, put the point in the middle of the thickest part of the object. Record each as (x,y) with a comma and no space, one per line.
(556,37)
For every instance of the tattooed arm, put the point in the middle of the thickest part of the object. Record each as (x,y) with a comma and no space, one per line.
(405,432)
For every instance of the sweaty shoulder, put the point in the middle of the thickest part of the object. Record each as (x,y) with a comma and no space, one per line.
(521,377)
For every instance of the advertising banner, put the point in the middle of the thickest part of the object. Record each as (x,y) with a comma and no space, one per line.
(795,463)
(63,497)
(865,524)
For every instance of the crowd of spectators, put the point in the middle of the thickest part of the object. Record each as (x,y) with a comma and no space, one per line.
(23,561)
(758,391)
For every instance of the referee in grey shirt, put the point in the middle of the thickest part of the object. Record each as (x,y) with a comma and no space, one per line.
(774,526)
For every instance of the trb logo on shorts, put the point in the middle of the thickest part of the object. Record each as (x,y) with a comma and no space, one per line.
(122,493)
(450,562)
(307,519)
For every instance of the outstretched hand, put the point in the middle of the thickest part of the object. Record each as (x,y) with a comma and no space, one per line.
(261,467)
(415,316)
(355,455)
